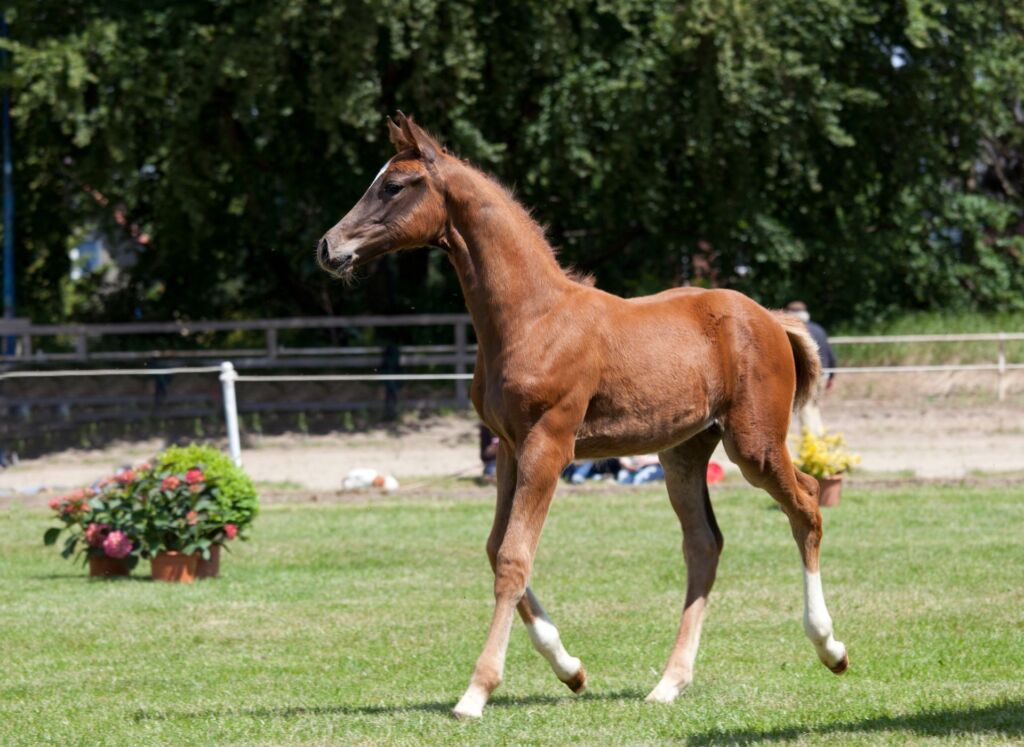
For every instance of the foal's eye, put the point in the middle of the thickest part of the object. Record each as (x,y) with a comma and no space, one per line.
(392,188)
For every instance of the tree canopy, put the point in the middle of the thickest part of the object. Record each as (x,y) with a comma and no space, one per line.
(863,156)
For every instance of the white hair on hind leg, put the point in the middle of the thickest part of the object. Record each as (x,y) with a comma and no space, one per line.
(818,623)
(546,640)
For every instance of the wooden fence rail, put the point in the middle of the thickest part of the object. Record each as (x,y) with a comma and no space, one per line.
(79,343)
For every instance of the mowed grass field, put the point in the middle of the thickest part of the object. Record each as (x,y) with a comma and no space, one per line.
(359,624)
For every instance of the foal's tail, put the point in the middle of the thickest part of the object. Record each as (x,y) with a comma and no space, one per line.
(805,355)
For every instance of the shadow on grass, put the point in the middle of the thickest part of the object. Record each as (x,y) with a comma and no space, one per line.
(444,707)
(90,579)
(999,719)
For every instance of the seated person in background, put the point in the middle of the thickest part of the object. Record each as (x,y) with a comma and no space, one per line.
(578,472)
(640,469)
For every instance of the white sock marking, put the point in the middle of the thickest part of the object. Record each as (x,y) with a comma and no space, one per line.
(818,623)
(546,640)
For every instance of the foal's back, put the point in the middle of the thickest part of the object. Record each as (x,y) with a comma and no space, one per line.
(669,363)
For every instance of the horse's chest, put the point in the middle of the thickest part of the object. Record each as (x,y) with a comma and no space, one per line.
(509,402)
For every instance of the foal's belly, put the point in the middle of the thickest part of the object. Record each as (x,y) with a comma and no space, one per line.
(616,430)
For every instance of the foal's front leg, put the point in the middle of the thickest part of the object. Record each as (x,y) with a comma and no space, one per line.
(540,461)
(543,633)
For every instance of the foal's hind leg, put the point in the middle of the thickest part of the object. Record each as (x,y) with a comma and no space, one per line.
(543,633)
(686,476)
(763,458)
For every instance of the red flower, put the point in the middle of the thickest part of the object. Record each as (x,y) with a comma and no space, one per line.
(231,530)
(54,503)
(192,518)
(193,476)
(126,478)
(95,534)
(171,482)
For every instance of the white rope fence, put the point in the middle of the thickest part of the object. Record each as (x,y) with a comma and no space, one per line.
(109,372)
(229,376)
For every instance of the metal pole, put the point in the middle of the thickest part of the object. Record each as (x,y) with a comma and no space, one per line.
(10,342)
(461,391)
(228,377)
(1001,362)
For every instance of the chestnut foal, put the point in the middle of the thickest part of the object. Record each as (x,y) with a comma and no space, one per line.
(564,370)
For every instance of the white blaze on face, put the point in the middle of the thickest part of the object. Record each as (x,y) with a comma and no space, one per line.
(546,640)
(817,621)
(381,172)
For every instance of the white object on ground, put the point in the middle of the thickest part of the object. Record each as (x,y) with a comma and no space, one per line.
(365,477)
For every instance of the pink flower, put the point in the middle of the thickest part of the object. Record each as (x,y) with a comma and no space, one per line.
(54,503)
(231,530)
(94,534)
(193,476)
(127,477)
(144,467)
(117,544)
(192,518)
(197,488)
(171,482)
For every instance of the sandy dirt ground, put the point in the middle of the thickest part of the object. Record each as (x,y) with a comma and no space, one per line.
(924,439)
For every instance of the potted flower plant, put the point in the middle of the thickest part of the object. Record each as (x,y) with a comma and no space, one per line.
(826,458)
(198,500)
(102,525)
(178,513)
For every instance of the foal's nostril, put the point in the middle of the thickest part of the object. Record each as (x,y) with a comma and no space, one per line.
(322,251)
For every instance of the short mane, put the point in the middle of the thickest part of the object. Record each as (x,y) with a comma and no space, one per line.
(525,215)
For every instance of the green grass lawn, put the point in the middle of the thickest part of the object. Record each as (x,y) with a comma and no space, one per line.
(360,624)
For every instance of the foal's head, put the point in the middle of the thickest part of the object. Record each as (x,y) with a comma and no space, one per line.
(403,208)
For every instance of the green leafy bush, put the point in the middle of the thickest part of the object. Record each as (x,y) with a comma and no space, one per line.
(235,494)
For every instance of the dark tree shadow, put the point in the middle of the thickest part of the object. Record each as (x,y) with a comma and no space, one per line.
(443,707)
(1004,719)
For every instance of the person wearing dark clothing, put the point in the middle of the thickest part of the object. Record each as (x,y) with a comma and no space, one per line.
(488,452)
(810,414)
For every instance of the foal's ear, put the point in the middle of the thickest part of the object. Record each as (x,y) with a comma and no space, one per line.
(398,138)
(427,147)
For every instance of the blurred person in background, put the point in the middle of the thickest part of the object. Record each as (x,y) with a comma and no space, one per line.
(810,414)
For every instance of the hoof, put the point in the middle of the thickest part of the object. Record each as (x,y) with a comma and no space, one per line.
(470,707)
(841,666)
(578,682)
(663,693)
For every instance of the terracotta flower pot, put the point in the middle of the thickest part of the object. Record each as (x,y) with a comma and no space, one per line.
(208,568)
(174,566)
(104,567)
(829,490)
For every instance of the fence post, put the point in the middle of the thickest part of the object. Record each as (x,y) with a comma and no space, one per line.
(228,376)
(1001,385)
(461,393)
(271,335)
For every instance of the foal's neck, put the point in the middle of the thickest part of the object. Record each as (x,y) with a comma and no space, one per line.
(507,270)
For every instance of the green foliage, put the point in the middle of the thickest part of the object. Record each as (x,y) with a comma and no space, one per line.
(233,490)
(861,155)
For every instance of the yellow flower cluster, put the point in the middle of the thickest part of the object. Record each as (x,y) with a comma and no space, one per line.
(825,456)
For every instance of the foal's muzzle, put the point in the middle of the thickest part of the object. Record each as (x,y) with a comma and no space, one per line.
(340,265)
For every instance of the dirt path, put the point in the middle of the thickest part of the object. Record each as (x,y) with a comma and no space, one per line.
(927,440)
